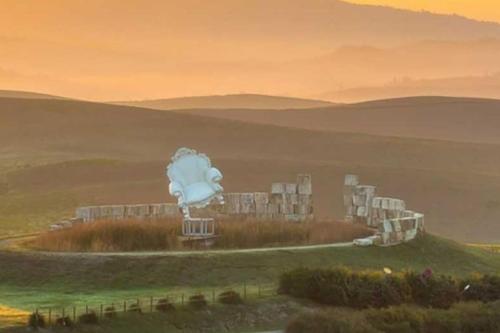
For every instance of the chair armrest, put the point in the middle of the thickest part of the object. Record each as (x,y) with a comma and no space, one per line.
(176,190)
(213,175)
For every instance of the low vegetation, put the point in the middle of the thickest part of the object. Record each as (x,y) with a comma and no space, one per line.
(343,287)
(461,318)
(133,235)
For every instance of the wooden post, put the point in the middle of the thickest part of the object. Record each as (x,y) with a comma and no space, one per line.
(213,296)
(101,312)
(124,306)
(259,292)
(151,304)
(74,313)
(50,316)
(86,308)
(182,299)
(245,290)
(63,312)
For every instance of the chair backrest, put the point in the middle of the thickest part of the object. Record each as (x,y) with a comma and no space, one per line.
(188,167)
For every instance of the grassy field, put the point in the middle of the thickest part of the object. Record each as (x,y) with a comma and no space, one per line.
(29,280)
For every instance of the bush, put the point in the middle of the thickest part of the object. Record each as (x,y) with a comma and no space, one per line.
(331,321)
(197,302)
(135,307)
(164,305)
(439,292)
(230,297)
(36,321)
(341,287)
(484,288)
(396,319)
(110,312)
(89,318)
(64,321)
(461,318)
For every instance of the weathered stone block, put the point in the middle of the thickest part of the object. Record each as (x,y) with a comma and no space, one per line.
(304,184)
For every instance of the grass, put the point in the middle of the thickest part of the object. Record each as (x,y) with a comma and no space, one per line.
(29,279)
(11,316)
(133,235)
(254,315)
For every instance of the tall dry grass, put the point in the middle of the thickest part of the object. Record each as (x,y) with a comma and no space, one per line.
(156,235)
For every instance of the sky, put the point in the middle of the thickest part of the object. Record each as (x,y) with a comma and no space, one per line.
(485,10)
(146,49)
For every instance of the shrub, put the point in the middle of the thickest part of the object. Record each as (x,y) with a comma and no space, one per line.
(64,321)
(36,321)
(135,307)
(396,319)
(341,287)
(438,292)
(164,305)
(484,288)
(230,297)
(110,312)
(461,318)
(89,318)
(197,302)
(331,321)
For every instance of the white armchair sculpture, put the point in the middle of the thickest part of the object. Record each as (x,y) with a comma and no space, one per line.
(195,183)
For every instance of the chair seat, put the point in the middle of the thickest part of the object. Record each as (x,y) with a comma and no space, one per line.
(198,193)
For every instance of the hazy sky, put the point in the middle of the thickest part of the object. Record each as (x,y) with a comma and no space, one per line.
(488,10)
(140,49)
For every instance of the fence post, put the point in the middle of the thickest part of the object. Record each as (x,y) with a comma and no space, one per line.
(151,304)
(259,292)
(124,306)
(86,308)
(213,296)
(63,312)
(50,316)
(74,313)
(182,299)
(245,290)
(101,313)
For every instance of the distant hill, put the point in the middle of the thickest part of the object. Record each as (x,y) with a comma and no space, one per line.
(444,118)
(236,101)
(26,94)
(473,86)
(119,154)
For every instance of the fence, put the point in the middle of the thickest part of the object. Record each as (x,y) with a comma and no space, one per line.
(53,315)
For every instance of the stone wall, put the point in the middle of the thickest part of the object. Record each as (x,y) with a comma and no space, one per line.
(285,201)
(395,224)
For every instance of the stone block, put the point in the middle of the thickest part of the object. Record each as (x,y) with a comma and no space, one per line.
(247,203)
(351,180)
(290,188)
(278,188)
(304,184)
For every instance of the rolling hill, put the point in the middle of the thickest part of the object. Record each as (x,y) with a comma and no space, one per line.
(58,154)
(443,118)
(26,94)
(237,101)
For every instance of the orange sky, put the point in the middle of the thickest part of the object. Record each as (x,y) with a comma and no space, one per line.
(486,10)
(137,49)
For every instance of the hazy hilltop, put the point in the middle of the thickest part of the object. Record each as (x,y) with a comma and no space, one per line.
(57,154)
(477,86)
(26,94)
(274,47)
(237,101)
(444,118)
